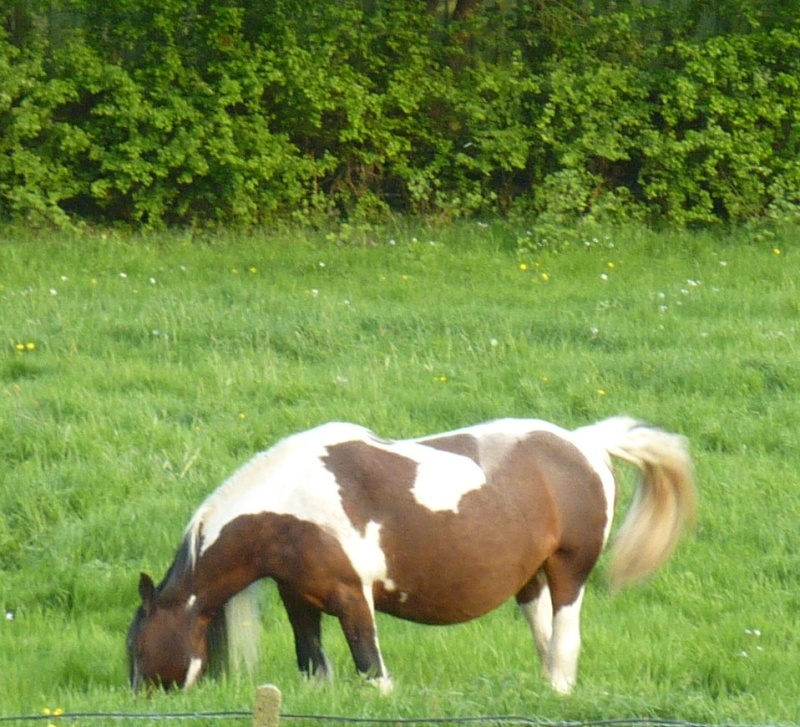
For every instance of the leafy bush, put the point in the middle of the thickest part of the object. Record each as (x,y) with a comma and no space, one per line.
(727,116)
(219,112)
(35,146)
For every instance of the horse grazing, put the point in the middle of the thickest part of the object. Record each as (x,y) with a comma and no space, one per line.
(436,530)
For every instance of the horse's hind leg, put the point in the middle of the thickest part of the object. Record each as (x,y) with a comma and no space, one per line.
(565,645)
(305,620)
(537,608)
(566,575)
(356,613)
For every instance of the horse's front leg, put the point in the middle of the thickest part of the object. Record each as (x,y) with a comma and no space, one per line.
(355,610)
(305,620)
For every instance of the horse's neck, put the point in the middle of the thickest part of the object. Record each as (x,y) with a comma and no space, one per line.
(197,578)
(215,589)
(214,577)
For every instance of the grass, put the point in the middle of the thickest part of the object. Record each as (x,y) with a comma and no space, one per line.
(137,373)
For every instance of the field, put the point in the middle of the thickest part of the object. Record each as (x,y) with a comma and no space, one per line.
(137,373)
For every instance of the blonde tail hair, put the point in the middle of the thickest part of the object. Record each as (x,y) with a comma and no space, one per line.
(664,503)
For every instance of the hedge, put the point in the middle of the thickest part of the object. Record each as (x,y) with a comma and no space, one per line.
(236,112)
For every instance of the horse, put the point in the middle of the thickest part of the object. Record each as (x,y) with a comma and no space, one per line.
(436,530)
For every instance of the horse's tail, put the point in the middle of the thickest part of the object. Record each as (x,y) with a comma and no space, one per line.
(665,500)
(234,637)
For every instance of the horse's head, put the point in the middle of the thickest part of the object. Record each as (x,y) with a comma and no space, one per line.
(166,641)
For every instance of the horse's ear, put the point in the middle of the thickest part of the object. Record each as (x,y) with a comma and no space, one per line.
(147,592)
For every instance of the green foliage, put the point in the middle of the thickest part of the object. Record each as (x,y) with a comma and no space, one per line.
(729,117)
(36,148)
(224,112)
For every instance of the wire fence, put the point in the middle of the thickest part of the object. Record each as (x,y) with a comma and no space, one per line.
(267,712)
(500,720)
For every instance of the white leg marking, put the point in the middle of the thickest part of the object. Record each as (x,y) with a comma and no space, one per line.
(384,681)
(565,646)
(539,615)
(193,673)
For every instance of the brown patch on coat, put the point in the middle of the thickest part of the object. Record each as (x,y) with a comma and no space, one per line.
(463,444)
(374,483)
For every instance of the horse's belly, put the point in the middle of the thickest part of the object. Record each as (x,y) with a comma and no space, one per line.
(437,613)
(441,598)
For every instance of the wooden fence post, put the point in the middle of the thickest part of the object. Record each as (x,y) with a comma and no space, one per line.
(267,710)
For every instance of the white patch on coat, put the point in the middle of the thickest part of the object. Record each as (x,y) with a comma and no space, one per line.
(443,478)
(591,440)
(365,554)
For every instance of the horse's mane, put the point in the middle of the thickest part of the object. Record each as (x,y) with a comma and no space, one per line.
(183,561)
(234,635)
(193,537)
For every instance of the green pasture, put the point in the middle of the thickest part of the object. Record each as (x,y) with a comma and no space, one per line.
(136,373)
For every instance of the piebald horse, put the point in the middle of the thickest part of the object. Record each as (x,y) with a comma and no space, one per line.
(436,530)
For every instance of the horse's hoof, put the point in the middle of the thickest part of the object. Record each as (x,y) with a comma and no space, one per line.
(384,685)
